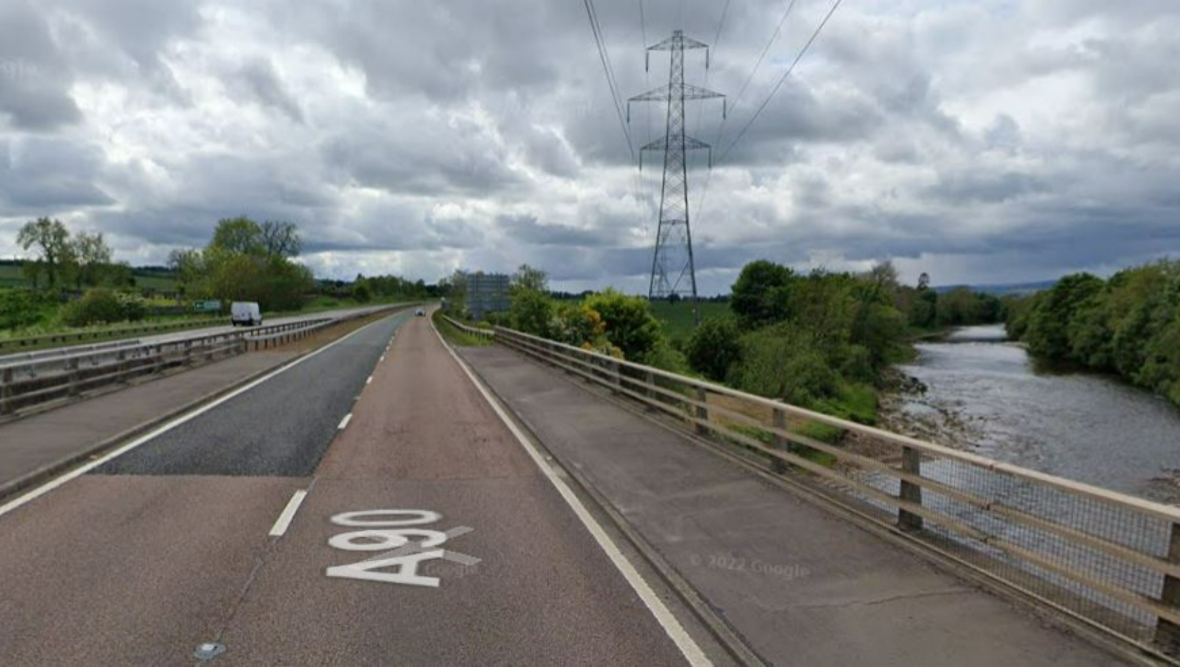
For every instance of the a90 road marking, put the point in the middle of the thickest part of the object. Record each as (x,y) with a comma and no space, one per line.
(389,531)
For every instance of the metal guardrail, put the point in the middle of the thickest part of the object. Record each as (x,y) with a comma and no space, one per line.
(17,344)
(28,385)
(1105,558)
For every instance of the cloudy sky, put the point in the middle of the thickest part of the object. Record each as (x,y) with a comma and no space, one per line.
(979,140)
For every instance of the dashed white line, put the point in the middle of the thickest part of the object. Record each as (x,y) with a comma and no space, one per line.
(344,422)
(82,470)
(369,380)
(284,520)
(381,359)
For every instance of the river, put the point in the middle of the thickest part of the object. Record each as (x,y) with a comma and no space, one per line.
(987,396)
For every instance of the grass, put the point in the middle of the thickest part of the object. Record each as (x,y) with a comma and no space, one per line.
(677,318)
(456,337)
(12,276)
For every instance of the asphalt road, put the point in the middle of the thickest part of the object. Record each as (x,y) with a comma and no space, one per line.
(195,536)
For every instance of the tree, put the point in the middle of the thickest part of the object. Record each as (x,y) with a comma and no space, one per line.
(52,241)
(239,235)
(629,324)
(1048,327)
(760,293)
(529,278)
(713,347)
(280,239)
(924,281)
(531,311)
(92,256)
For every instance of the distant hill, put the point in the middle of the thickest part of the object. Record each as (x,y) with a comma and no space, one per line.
(1012,289)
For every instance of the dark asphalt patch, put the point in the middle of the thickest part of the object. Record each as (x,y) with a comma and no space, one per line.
(280,428)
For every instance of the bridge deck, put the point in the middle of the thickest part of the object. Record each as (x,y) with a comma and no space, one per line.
(800,585)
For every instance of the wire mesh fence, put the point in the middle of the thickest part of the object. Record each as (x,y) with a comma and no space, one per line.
(1108,559)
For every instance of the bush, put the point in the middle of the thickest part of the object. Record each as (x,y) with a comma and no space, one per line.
(531,312)
(629,324)
(102,306)
(783,361)
(21,308)
(361,292)
(714,347)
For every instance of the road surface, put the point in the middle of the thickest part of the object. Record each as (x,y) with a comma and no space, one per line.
(252,526)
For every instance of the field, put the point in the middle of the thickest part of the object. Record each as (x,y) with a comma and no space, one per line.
(11,276)
(677,318)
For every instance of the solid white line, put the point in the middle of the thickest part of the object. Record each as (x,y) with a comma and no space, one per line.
(688,647)
(344,422)
(284,520)
(77,472)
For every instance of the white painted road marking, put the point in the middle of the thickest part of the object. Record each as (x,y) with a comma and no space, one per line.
(383,534)
(82,470)
(284,520)
(687,645)
(369,380)
(344,422)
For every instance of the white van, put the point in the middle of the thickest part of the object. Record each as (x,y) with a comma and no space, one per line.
(245,312)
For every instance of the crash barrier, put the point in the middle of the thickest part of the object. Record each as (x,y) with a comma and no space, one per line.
(8,345)
(34,384)
(1107,559)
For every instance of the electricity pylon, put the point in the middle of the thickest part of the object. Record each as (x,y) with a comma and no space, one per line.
(673,258)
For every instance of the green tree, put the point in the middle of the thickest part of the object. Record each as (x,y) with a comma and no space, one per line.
(760,294)
(1048,326)
(92,256)
(280,239)
(529,278)
(531,311)
(239,235)
(52,242)
(713,347)
(629,324)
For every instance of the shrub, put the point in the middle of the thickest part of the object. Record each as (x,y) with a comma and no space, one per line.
(629,324)
(714,347)
(97,306)
(21,308)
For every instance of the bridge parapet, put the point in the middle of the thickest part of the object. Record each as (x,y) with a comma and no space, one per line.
(1107,559)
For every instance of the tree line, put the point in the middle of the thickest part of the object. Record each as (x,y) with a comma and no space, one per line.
(66,259)
(1128,324)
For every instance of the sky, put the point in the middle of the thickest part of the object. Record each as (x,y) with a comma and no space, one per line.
(980,141)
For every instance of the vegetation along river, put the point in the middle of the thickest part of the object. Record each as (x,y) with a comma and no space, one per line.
(988,396)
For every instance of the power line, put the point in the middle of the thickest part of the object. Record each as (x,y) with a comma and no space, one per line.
(802,52)
(783,78)
(596,28)
(758,63)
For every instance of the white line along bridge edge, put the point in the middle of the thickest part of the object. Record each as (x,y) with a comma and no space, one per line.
(397,534)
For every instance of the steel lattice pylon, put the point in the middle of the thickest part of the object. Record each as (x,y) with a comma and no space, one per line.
(673,259)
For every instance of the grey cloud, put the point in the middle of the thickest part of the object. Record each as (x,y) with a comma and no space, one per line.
(48,175)
(258,80)
(34,80)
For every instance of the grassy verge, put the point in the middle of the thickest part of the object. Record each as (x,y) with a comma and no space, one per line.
(677,318)
(456,337)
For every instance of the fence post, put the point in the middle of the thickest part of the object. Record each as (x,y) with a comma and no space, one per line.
(1167,633)
(702,411)
(188,353)
(75,376)
(121,365)
(780,443)
(911,462)
(6,392)
(616,380)
(650,379)
(159,354)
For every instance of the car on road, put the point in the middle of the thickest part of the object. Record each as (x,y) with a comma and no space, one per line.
(246,313)
(419,312)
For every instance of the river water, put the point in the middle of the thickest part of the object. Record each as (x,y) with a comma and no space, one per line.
(987,396)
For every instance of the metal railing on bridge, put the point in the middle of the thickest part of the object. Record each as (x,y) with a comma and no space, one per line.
(1105,558)
(45,380)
